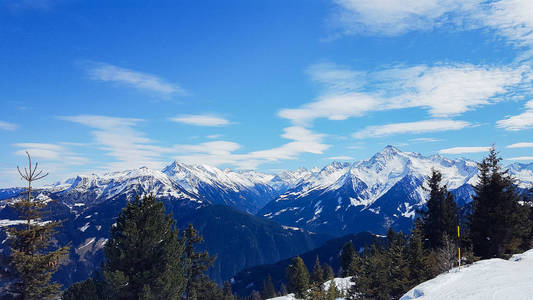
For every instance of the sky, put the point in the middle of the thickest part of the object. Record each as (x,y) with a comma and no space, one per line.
(100,86)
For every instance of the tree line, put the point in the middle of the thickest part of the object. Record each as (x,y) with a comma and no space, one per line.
(147,257)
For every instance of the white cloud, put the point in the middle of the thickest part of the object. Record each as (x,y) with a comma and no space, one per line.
(119,138)
(520,145)
(342,157)
(214,136)
(223,152)
(410,127)
(521,158)
(7,126)
(509,18)
(201,120)
(425,140)
(393,17)
(462,150)
(518,122)
(50,152)
(444,90)
(144,81)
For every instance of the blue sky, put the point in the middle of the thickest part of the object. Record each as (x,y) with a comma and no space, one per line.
(97,86)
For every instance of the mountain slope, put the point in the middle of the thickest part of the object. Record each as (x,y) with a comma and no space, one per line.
(385,190)
(486,279)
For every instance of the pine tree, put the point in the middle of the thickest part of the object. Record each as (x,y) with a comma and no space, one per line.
(419,266)
(198,264)
(399,267)
(499,224)
(31,256)
(333,292)
(144,253)
(350,260)
(269,291)
(227,293)
(297,277)
(317,275)
(328,271)
(440,216)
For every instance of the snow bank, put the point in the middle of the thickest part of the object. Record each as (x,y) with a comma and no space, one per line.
(483,280)
(342,284)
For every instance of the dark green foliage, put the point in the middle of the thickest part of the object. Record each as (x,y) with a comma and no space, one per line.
(269,291)
(499,224)
(440,216)
(419,264)
(33,259)
(227,293)
(332,292)
(90,289)
(297,277)
(328,271)
(317,275)
(198,263)
(144,253)
(350,260)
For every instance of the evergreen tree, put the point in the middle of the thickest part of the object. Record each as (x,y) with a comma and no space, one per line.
(419,265)
(350,260)
(32,257)
(328,271)
(144,253)
(440,216)
(297,277)
(283,290)
(499,224)
(227,293)
(317,275)
(333,292)
(398,264)
(372,281)
(94,288)
(269,291)
(198,264)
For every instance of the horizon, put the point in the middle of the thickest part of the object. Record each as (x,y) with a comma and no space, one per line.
(98,87)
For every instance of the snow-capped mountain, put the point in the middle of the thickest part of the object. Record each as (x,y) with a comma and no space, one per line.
(373,194)
(248,190)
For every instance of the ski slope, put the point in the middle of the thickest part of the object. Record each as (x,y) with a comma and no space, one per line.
(483,280)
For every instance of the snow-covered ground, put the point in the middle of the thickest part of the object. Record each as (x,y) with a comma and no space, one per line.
(342,284)
(484,280)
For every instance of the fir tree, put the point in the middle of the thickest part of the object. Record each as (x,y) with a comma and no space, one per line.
(144,253)
(227,293)
(269,291)
(398,264)
(350,260)
(333,292)
(499,224)
(32,257)
(328,271)
(440,216)
(297,277)
(317,275)
(419,265)
(198,264)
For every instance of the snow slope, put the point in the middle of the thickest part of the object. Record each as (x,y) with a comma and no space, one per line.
(342,284)
(484,280)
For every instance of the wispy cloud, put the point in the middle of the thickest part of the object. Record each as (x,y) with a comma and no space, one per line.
(342,157)
(223,152)
(520,145)
(7,126)
(201,120)
(425,140)
(444,90)
(463,150)
(521,158)
(136,79)
(50,152)
(385,17)
(119,138)
(410,127)
(509,18)
(519,122)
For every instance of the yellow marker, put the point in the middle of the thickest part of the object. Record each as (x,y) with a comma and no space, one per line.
(459,247)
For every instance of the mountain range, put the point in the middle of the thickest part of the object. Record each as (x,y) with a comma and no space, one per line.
(250,218)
